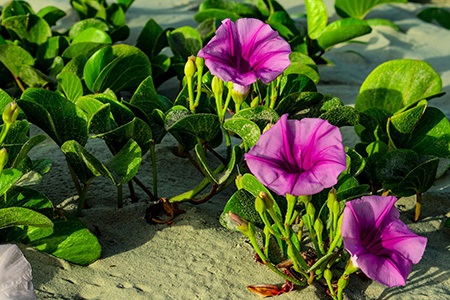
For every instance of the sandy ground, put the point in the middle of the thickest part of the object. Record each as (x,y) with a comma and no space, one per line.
(196,258)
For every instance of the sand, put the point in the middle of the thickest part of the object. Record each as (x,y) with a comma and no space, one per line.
(195,257)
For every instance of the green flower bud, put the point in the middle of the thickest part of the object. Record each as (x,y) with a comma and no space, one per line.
(244,226)
(268,202)
(217,85)
(3,158)
(328,275)
(199,62)
(10,113)
(310,210)
(260,205)
(189,67)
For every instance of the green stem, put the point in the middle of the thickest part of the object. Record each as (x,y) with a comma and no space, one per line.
(191,94)
(154,169)
(199,84)
(4,132)
(82,197)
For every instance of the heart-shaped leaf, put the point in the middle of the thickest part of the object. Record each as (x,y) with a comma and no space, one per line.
(30,28)
(125,164)
(398,83)
(69,84)
(184,41)
(152,39)
(54,114)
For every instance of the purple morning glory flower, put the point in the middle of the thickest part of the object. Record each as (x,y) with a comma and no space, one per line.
(298,157)
(245,51)
(381,245)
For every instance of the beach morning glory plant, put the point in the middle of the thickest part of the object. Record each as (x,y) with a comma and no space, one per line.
(381,245)
(301,160)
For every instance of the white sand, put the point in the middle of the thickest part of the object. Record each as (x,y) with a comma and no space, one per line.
(196,258)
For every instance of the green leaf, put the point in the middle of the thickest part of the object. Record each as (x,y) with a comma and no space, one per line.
(30,28)
(260,115)
(431,136)
(84,50)
(204,126)
(128,69)
(241,203)
(51,14)
(401,125)
(295,102)
(136,129)
(81,26)
(7,179)
(92,35)
(69,240)
(26,147)
(16,216)
(418,180)
(25,197)
(358,9)
(184,41)
(54,114)
(15,58)
(342,30)
(317,17)
(439,15)
(398,83)
(16,8)
(392,167)
(246,129)
(304,65)
(85,165)
(125,164)
(95,64)
(152,39)
(382,22)
(69,84)
(147,99)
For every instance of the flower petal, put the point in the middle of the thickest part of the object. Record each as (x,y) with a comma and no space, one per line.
(389,270)
(244,51)
(292,157)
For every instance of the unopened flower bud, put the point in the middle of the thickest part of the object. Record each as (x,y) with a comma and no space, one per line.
(328,275)
(10,112)
(243,225)
(239,94)
(310,210)
(217,85)
(268,202)
(332,198)
(189,67)
(3,158)
(260,207)
(318,226)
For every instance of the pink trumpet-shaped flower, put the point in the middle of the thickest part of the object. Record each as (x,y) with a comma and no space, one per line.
(245,51)
(381,245)
(298,157)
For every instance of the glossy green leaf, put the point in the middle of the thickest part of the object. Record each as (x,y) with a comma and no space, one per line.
(15,58)
(136,129)
(373,22)
(69,239)
(342,30)
(82,25)
(298,101)
(398,83)
(152,39)
(128,69)
(92,35)
(204,126)
(16,8)
(85,164)
(357,8)
(392,167)
(317,17)
(125,164)
(69,84)
(95,64)
(304,65)
(25,148)
(51,14)
(418,180)
(437,14)
(54,114)
(16,216)
(82,49)
(30,28)
(184,41)
(7,179)
(25,197)
(246,129)
(260,115)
